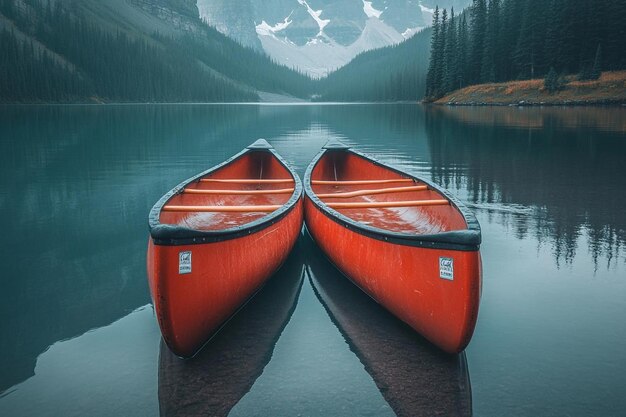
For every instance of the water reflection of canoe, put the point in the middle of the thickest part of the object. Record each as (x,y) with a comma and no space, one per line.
(212,382)
(216,238)
(415,378)
(407,243)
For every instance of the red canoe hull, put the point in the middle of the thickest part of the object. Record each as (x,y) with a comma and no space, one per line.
(216,238)
(405,279)
(190,308)
(404,241)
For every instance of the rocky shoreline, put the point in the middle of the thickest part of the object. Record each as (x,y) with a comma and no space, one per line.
(523,103)
(608,90)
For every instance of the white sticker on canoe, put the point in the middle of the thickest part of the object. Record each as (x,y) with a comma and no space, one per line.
(184,262)
(446,268)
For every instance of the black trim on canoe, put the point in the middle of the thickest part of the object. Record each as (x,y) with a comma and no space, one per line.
(462,240)
(174,235)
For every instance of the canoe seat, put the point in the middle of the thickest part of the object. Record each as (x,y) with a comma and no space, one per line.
(388,204)
(360,182)
(372,192)
(238,192)
(222,209)
(248,180)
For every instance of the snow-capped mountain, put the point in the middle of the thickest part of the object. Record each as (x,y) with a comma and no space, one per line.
(318,36)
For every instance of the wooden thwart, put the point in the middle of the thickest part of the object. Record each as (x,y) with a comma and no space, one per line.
(377,191)
(222,209)
(388,204)
(360,182)
(247,180)
(238,192)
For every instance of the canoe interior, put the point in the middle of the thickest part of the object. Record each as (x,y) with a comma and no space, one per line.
(346,166)
(252,165)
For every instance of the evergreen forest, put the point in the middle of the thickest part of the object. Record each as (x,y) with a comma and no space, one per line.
(53,54)
(50,51)
(393,73)
(504,40)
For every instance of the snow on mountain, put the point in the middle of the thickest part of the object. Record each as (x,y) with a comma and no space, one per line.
(318,36)
(264,29)
(370,11)
(315,14)
(319,56)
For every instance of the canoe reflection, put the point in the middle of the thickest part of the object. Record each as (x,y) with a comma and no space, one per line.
(415,378)
(212,382)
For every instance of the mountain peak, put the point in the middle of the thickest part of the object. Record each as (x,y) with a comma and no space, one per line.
(318,36)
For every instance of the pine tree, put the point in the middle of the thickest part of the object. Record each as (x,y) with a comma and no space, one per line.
(552,82)
(450,72)
(440,56)
(596,70)
(525,51)
(488,64)
(431,77)
(588,33)
(568,40)
(478,14)
(461,53)
(615,35)
(551,40)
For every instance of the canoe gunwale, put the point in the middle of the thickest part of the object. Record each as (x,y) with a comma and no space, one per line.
(173,235)
(462,240)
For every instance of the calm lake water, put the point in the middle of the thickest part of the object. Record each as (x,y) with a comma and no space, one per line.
(78,334)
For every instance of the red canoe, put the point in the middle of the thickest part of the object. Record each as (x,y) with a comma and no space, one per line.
(404,241)
(216,238)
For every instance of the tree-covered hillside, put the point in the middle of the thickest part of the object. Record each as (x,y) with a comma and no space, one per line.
(393,73)
(160,51)
(523,39)
(60,52)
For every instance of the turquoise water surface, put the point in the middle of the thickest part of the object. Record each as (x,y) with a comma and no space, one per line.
(78,334)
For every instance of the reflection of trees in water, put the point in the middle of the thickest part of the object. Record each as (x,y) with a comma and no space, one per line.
(565,164)
(609,119)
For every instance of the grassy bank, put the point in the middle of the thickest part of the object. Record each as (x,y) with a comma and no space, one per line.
(610,88)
